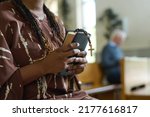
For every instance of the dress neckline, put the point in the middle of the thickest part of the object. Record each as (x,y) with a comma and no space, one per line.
(39,18)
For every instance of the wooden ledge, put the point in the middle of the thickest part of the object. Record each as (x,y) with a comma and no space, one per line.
(103,89)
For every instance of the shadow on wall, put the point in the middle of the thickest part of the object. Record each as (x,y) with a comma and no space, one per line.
(111,21)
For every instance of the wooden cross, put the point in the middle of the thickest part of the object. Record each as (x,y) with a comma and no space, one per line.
(91,49)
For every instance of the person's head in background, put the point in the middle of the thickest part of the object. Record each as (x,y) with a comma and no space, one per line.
(118,36)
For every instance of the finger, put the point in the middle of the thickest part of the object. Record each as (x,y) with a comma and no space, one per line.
(80,60)
(70,47)
(71,52)
(70,60)
(75,67)
(82,54)
(77,71)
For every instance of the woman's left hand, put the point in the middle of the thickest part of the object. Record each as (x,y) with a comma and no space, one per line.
(80,63)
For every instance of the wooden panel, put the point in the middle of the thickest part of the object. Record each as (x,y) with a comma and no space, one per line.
(135,72)
(91,77)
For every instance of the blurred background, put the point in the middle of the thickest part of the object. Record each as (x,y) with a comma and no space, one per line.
(134,16)
(100,17)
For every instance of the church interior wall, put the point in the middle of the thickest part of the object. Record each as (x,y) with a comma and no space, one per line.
(135,15)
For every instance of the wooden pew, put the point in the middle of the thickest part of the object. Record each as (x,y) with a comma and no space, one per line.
(92,81)
(104,89)
(135,76)
(91,77)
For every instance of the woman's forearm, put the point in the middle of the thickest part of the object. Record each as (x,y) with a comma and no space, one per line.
(31,72)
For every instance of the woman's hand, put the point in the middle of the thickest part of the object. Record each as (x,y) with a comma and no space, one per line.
(81,63)
(55,62)
(58,60)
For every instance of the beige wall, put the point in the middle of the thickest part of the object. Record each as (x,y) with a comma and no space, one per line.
(137,13)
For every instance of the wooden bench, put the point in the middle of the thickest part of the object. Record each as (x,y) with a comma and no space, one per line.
(92,81)
(135,76)
(103,89)
(91,77)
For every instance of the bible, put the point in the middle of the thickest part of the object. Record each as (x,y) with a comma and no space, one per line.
(78,36)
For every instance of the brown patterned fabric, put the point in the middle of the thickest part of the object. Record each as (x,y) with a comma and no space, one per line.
(18,48)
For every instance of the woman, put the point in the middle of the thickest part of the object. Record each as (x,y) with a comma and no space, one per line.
(32,55)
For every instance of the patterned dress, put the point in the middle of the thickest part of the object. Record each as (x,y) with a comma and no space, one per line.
(18,48)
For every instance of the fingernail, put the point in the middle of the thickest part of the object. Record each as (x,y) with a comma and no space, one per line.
(78,44)
(75,44)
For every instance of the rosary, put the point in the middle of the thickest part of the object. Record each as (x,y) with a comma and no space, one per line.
(82,37)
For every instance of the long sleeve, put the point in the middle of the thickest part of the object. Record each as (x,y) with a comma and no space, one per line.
(11,86)
(10,78)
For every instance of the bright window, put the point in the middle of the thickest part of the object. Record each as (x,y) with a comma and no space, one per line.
(87,20)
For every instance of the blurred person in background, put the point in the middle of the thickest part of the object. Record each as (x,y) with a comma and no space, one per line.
(111,56)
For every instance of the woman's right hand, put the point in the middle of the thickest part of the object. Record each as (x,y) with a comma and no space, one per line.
(58,60)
